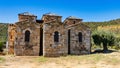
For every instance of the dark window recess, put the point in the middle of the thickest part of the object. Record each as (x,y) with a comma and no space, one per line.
(56,36)
(41,42)
(39,21)
(69,41)
(27,36)
(11,37)
(74,22)
(80,36)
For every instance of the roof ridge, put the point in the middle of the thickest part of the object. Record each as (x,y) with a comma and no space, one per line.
(27,13)
(51,14)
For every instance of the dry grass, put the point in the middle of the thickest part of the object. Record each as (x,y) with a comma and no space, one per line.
(111,60)
(2,59)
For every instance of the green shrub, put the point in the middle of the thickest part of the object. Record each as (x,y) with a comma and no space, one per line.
(116,47)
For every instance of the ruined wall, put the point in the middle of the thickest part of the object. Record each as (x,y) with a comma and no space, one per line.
(11,38)
(52,48)
(32,47)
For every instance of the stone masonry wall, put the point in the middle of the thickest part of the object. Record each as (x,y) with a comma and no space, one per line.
(11,38)
(52,48)
(49,18)
(77,47)
(27,48)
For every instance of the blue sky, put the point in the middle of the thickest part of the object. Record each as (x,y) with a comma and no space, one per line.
(88,10)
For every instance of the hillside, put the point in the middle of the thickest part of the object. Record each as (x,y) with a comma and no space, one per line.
(113,28)
(94,25)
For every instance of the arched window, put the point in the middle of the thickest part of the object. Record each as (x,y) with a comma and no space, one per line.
(80,36)
(27,36)
(74,22)
(56,36)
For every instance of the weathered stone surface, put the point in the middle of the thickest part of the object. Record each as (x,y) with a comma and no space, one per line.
(45,42)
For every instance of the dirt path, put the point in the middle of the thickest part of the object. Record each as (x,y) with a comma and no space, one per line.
(64,62)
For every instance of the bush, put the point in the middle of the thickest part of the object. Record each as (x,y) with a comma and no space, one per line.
(117,44)
(1,46)
(116,47)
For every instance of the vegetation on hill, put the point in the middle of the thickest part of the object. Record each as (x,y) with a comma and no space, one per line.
(112,28)
(3,35)
(103,31)
(1,46)
(95,25)
(3,32)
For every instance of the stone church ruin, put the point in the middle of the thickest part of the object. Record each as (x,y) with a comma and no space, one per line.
(48,36)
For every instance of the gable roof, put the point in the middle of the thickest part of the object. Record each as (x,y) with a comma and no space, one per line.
(80,25)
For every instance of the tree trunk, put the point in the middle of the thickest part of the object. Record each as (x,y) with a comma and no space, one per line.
(105,49)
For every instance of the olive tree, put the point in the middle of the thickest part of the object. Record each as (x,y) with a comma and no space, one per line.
(103,37)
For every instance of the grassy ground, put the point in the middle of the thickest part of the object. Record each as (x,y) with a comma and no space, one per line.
(2,59)
(100,60)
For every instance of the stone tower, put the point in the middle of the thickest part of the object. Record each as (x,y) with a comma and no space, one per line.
(72,20)
(48,17)
(27,17)
(24,36)
(78,36)
(53,35)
